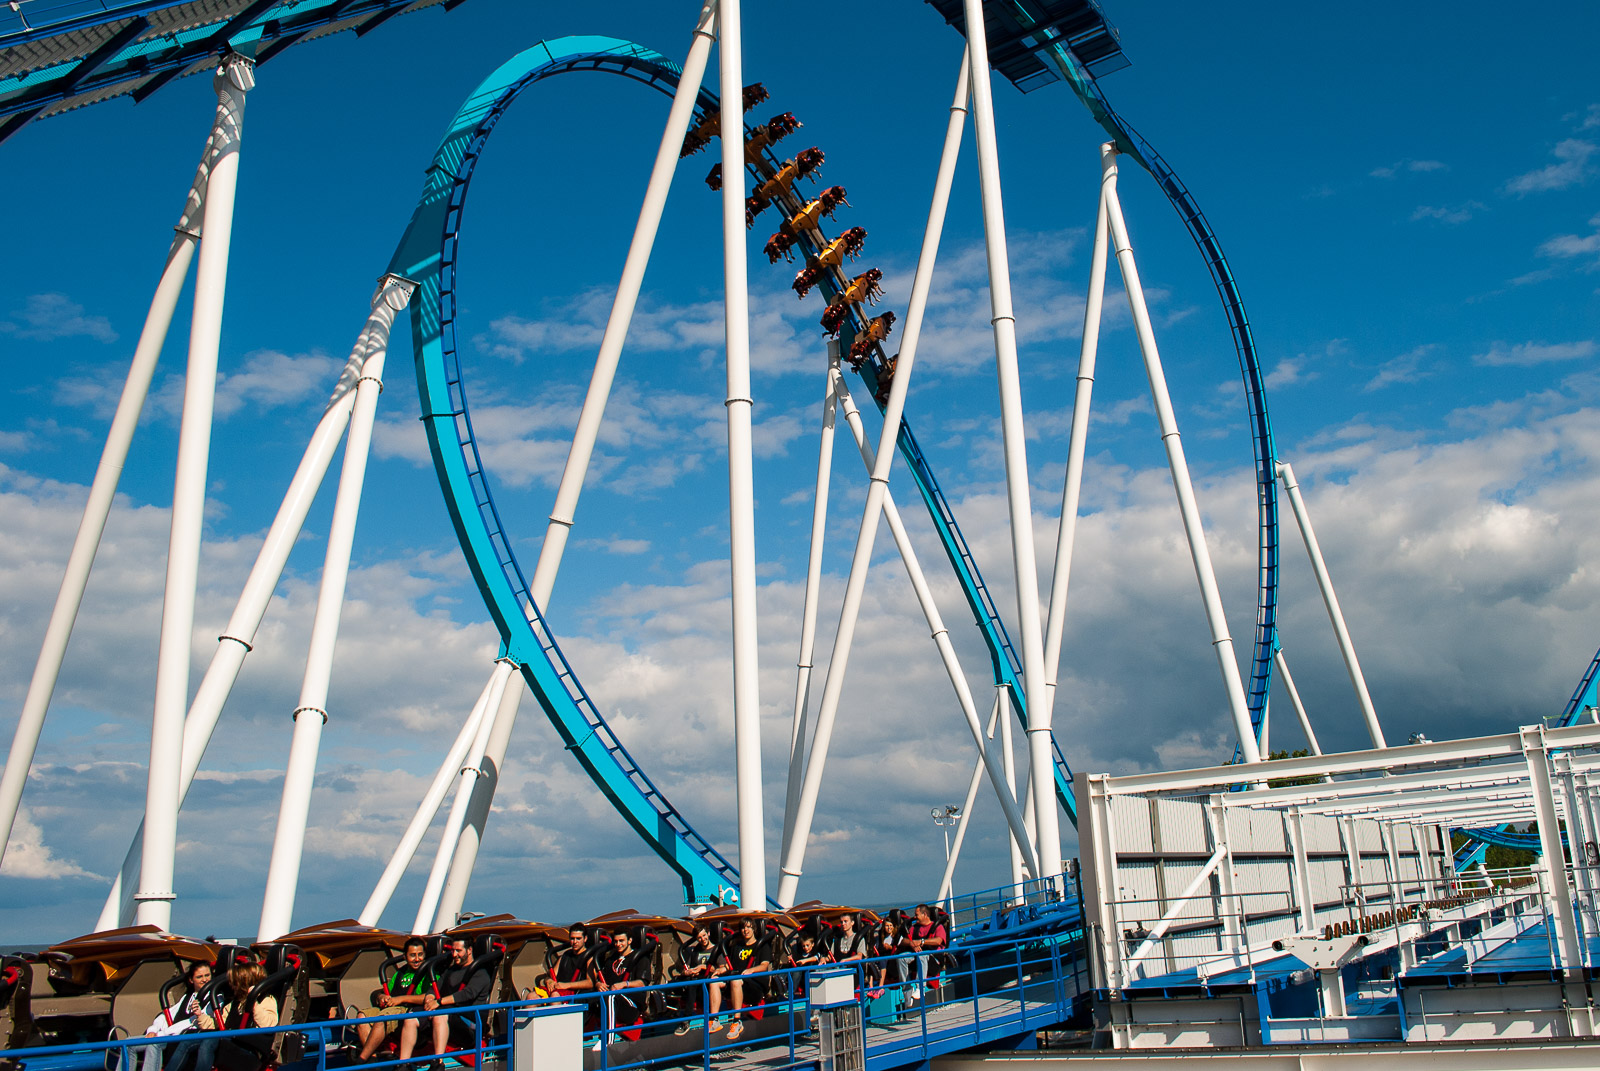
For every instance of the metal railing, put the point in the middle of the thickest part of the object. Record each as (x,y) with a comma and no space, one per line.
(928,1004)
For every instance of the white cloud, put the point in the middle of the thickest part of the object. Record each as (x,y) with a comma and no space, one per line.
(1445,214)
(1406,368)
(1574,169)
(27,856)
(617,546)
(1567,246)
(263,380)
(1287,373)
(1526,354)
(1414,166)
(47,317)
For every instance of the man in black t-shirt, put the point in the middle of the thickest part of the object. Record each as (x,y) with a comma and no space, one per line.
(747,954)
(460,986)
(570,972)
(623,970)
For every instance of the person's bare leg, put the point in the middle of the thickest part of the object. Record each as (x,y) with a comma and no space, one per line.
(738,998)
(716,999)
(408,1038)
(374,1039)
(441,1033)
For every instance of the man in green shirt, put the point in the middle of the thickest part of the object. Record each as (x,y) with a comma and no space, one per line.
(408,987)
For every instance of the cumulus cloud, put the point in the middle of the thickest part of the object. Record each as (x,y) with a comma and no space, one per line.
(27,856)
(265,379)
(48,317)
(1573,169)
(1460,565)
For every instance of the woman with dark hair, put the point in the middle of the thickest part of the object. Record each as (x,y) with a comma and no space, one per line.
(885,968)
(178,1019)
(242,1012)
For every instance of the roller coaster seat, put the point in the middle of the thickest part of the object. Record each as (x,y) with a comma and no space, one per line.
(142,995)
(16,1020)
(288,983)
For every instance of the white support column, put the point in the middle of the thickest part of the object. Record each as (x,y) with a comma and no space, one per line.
(877,491)
(1232,913)
(1552,859)
(1352,861)
(233,80)
(808,616)
(741,475)
(947,879)
(1077,446)
(311,714)
(429,919)
(1330,600)
(1014,845)
(1294,699)
(1392,852)
(622,306)
(1099,853)
(1221,641)
(483,790)
(235,642)
(1018,496)
(939,634)
(449,770)
(1578,832)
(1302,871)
(102,491)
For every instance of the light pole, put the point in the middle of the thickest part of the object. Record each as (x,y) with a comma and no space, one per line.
(945,817)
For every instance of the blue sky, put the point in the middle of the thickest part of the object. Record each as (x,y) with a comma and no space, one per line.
(1409,203)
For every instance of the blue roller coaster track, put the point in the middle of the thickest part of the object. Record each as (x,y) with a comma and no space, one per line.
(427,256)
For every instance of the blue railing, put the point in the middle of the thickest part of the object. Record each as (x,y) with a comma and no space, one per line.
(976,994)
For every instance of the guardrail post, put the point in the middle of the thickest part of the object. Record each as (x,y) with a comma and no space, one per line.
(551,1038)
(1556,887)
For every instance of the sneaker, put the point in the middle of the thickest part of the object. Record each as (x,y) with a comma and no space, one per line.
(735,1029)
(683,1028)
(714,1025)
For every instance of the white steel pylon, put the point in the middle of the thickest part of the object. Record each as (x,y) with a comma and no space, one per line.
(103,490)
(233,80)
(1018,498)
(311,713)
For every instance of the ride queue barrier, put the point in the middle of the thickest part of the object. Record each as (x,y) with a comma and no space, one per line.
(997,990)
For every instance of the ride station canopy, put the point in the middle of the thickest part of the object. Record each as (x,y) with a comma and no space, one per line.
(1019,30)
(57,55)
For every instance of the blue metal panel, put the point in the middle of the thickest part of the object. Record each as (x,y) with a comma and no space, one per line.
(75,52)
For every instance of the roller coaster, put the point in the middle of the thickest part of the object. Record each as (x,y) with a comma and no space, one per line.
(1030,44)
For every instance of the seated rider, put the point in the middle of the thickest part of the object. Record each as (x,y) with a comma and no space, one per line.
(625,969)
(848,945)
(570,973)
(696,960)
(243,1012)
(884,970)
(923,936)
(407,988)
(747,954)
(460,986)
